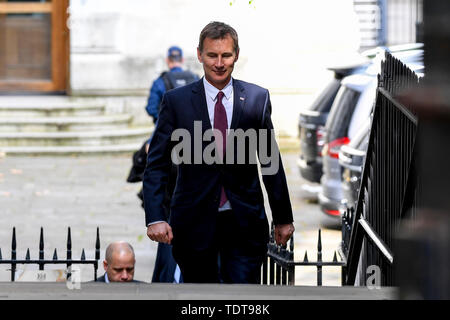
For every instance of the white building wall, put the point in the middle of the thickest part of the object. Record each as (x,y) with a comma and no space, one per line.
(118,46)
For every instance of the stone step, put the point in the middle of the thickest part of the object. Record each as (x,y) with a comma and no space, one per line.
(43,105)
(89,138)
(72,150)
(60,110)
(51,124)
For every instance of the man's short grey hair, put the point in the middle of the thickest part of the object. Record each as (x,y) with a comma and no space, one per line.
(120,246)
(218,30)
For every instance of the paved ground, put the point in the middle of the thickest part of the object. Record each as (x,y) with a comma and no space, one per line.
(86,192)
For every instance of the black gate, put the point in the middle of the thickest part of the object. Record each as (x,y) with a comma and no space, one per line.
(388,191)
(13,262)
(279,267)
(388,185)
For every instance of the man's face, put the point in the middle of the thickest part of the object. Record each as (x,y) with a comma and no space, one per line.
(218,58)
(121,268)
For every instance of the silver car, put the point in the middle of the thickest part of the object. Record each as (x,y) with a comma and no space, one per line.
(351,109)
(352,106)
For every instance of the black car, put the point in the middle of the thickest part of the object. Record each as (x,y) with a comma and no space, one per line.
(312,121)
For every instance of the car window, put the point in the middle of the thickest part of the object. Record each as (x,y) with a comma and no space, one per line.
(341,113)
(363,108)
(325,99)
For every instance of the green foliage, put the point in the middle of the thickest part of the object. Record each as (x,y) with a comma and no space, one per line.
(249,2)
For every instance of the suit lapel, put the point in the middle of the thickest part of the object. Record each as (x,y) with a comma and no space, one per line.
(238,103)
(199,104)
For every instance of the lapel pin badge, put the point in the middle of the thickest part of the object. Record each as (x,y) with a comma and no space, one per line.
(242,98)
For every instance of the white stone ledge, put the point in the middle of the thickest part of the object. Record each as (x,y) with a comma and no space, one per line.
(74,134)
(71,149)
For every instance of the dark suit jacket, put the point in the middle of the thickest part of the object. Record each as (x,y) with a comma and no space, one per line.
(195,200)
(102,279)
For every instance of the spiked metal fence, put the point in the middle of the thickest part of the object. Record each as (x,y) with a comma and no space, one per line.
(13,262)
(279,267)
(388,186)
(389,191)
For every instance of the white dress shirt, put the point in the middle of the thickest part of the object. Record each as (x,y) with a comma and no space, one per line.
(211,99)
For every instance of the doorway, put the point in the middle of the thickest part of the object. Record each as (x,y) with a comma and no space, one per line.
(34,46)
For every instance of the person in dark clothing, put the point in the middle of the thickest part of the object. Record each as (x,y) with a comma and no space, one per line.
(174,78)
(166,269)
(218,225)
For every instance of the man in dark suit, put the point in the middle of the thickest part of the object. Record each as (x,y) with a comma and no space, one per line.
(119,263)
(218,226)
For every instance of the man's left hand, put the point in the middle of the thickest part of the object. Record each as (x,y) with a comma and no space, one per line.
(283,233)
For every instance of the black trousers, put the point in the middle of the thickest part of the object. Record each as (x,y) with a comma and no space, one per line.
(231,259)
(165,264)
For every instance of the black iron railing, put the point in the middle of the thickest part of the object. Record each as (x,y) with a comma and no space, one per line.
(13,262)
(279,267)
(387,183)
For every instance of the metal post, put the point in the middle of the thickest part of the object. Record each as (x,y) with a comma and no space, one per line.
(319,260)
(41,249)
(283,268)
(271,271)
(97,253)
(291,269)
(278,273)
(264,271)
(13,255)
(69,252)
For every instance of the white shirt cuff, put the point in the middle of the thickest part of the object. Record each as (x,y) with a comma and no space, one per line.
(155,222)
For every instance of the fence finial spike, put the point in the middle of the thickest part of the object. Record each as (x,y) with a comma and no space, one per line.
(69,245)
(69,239)
(41,245)
(335,257)
(97,245)
(41,239)
(55,255)
(13,242)
(305,259)
(83,255)
(0,253)
(27,256)
(319,241)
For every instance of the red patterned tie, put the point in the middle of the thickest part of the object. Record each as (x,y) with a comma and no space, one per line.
(221,124)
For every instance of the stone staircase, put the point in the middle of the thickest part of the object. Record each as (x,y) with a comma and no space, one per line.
(36,125)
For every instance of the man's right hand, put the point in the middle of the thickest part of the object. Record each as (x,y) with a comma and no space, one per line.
(160,232)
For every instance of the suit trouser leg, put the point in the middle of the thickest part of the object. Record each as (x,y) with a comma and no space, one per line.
(232,258)
(197,266)
(240,257)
